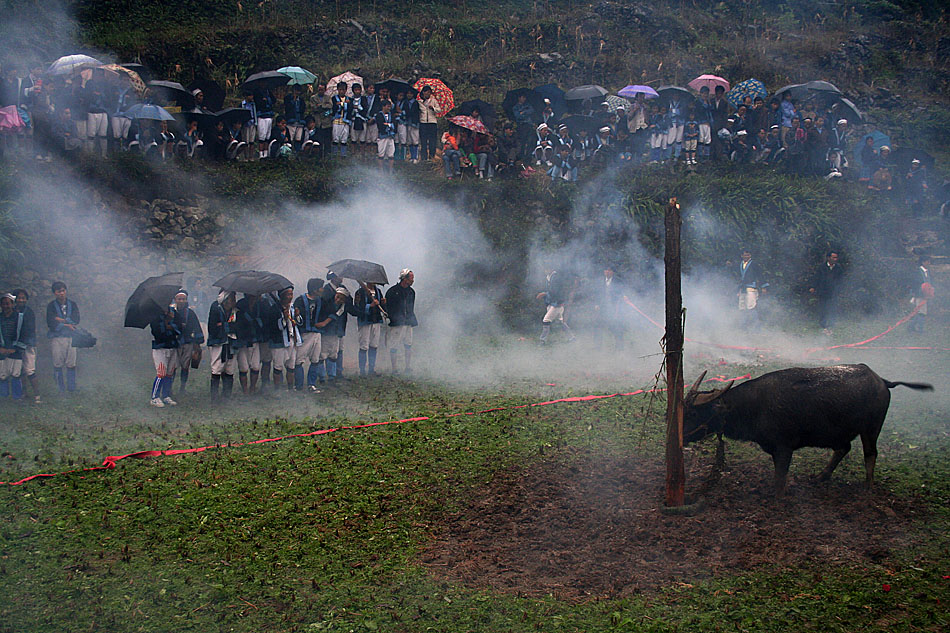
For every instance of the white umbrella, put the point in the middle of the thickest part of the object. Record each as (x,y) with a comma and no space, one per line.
(349,78)
(71,63)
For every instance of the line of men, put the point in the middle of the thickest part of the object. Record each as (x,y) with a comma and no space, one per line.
(272,336)
(18,341)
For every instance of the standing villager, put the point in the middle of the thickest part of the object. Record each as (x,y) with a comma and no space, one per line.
(322,107)
(62,317)
(166,339)
(295,113)
(751,282)
(608,309)
(29,340)
(12,347)
(826,288)
(923,293)
(249,129)
(555,296)
(192,337)
(386,135)
(265,119)
(308,306)
(428,122)
(222,332)
(360,118)
(401,306)
(341,111)
(369,320)
(283,327)
(249,326)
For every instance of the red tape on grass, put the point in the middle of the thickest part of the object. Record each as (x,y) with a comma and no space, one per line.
(110,461)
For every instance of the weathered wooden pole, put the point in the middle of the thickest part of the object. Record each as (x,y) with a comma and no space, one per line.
(675,472)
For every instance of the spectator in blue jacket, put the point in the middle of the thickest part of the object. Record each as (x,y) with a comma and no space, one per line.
(62,317)
(12,347)
(29,339)
(166,338)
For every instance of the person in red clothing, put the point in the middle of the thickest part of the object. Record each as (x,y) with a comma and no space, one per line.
(451,157)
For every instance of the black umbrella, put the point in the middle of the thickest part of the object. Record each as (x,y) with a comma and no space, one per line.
(395,86)
(555,95)
(151,299)
(667,92)
(171,91)
(230,115)
(589,91)
(903,156)
(799,91)
(213,93)
(847,110)
(577,122)
(485,110)
(360,270)
(822,86)
(204,118)
(253,282)
(267,80)
(511,98)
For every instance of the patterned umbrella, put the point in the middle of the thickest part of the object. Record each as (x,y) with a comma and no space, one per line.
(347,77)
(614,103)
(441,92)
(631,92)
(470,124)
(298,76)
(709,81)
(748,88)
(71,63)
(129,75)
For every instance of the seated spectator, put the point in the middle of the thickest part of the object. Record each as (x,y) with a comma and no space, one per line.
(64,132)
(583,146)
(741,150)
(165,139)
(466,148)
(451,156)
(564,137)
(773,145)
(881,180)
(191,140)
(485,155)
(281,144)
(563,167)
(605,149)
(218,142)
(508,148)
(623,146)
(544,147)
(311,136)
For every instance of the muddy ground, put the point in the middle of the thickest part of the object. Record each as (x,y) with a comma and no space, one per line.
(585,527)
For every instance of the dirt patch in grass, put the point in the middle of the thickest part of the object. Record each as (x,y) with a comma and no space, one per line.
(586,527)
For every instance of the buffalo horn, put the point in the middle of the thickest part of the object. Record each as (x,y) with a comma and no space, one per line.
(695,387)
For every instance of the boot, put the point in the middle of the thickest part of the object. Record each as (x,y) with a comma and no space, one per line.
(70,379)
(58,372)
(242,378)
(4,388)
(184,381)
(227,385)
(313,374)
(265,373)
(372,361)
(322,371)
(16,388)
(331,369)
(362,361)
(408,349)
(215,384)
(255,375)
(298,378)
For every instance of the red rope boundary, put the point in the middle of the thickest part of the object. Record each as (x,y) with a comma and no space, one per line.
(109,462)
(858,345)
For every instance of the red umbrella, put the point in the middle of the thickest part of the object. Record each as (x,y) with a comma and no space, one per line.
(442,93)
(470,123)
(710,81)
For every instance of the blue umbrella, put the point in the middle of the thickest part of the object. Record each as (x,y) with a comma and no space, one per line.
(298,76)
(631,92)
(880,140)
(748,88)
(149,111)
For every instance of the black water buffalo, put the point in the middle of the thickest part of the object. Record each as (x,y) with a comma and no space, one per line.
(785,410)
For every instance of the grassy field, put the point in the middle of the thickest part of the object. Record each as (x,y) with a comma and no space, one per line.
(326,533)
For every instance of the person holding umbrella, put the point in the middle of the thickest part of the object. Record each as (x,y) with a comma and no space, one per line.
(192,337)
(166,339)
(248,324)
(222,331)
(307,306)
(428,122)
(369,319)
(282,326)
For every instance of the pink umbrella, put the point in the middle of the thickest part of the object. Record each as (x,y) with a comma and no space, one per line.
(349,78)
(10,120)
(470,123)
(709,81)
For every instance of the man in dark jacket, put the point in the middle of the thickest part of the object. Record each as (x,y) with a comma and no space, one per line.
(166,338)
(826,288)
(11,348)
(222,332)
(192,336)
(750,283)
(308,307)
(29,339)
(401,306)
(249,325)
(369,319)
(62,317)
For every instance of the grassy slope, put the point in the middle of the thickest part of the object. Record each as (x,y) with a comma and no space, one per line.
(321,534)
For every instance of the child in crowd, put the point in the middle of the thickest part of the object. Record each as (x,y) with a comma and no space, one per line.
(691,137)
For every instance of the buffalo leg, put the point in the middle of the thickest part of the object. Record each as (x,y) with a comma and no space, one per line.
(720,452)
(782,457)
(836,458)
(869,442)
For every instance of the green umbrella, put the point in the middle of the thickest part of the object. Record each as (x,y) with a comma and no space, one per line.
(298,76)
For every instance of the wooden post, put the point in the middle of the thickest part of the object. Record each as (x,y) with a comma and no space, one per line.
(675,472)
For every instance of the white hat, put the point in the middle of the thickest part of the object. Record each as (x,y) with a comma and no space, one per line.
(562,126)
(885,147)
(8,295)
(341,290)
(547,102)
(842,121)
(606,128)
(741,133)
(916,160)
(405,272)
(543,126)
